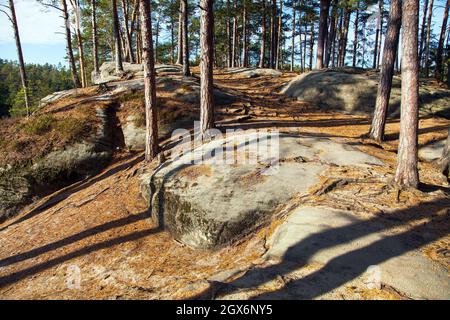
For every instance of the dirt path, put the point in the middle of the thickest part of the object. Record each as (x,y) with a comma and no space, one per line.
(99,229)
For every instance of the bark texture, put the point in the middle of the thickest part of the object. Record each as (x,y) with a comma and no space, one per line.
(324,8)
(206,66)
(186,69)
(262,52)
(22,71)
(117,46)
(94,37)
(439,67)
(69,49)
(151,141)
(406,174)
(387,71)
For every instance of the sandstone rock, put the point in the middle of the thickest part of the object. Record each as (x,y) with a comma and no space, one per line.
(57,95)
(134,136)
(108,71)
(354,91)
(254,72)
(433,151)
(346,247)
(209,204)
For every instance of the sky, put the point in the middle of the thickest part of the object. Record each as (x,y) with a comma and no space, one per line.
(41,34)
(43,40)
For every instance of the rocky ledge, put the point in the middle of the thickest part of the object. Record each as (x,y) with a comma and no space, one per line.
(206,201)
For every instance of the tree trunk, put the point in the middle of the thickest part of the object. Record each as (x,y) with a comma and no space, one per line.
(73,67)
(323,28)
(311,43)
(381,34)
(77,9)
(158,21)
(343,48)
(363,53)
(335,43)
(331,35)
(427,42)
(151,124)
(305,42)
(206,66)
(279,33)
(235,40)
(448,65)
(180,35)
(23,74)
(117,47)
(129,41)
(244,35)
(172,40)
(294,9)
(355,37)
(138,40)
(134,17)
(440,48)
(422,31)
(387,71)
(341,36)
(407,174)
(377,35)
(123,44)
(262,53)
(300,44)
(229,43)
(273,37)
(94,38)
(186,70)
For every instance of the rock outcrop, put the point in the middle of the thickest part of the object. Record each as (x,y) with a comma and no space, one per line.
(130,71)
(432,151)
(210,203)
(20,185)
(254,72)
(353,90)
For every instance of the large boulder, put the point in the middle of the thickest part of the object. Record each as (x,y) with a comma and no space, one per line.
(134,132)
(432,151)
(130,70)
(108,72)
(55,96)
(353,90)
(184,96)
(209,203)
(254,72)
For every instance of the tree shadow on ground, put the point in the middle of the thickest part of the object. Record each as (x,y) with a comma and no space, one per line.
(395,136)
(346,267)
(68,191)
(73,238)
(37,268)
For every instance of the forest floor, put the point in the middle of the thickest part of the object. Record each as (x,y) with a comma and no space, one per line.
(99,227)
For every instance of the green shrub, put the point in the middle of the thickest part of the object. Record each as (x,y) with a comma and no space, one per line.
(70,128)
(39,125)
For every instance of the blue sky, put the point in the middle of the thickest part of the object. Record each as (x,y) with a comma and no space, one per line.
(43,39)
(40,30)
